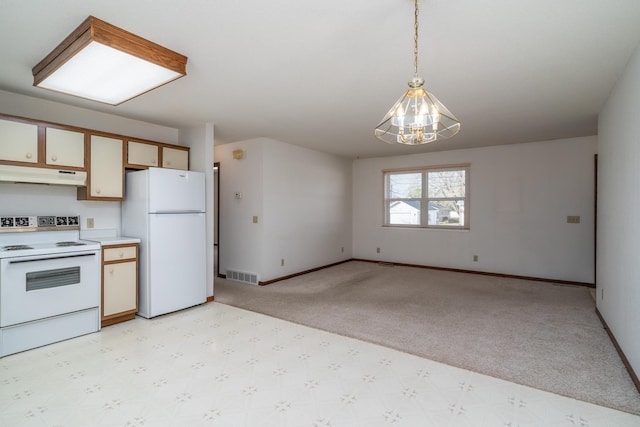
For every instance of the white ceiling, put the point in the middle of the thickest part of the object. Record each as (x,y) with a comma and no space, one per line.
(321,74)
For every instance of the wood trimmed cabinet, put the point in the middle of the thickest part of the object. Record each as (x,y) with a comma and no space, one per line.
(104,156)
(119,283)
(175,157)
(18,142)
(145,154)
(29,143)
(105,178)
(64,148)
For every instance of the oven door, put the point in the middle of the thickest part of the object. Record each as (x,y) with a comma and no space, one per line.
(40,286)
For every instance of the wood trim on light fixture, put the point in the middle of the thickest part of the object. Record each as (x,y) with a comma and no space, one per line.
(93,29)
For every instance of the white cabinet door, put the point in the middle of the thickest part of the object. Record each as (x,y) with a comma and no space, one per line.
(140,153)
(120,288)
(175,158)
(18,141)
(64,148)
(106,171)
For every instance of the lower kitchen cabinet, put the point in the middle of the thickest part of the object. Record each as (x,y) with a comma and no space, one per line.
(119,283)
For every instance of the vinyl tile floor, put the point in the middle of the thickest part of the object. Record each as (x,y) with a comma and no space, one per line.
(216,365)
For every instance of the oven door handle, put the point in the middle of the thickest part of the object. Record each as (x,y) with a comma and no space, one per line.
(50,258)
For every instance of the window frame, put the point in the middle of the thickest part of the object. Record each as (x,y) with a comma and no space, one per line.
(424,198)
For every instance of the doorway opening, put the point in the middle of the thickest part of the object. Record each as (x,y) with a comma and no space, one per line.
(216,219)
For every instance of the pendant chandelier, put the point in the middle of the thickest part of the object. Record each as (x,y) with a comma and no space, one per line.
(417,117)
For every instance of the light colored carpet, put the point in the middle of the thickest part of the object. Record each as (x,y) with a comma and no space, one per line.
(538,334)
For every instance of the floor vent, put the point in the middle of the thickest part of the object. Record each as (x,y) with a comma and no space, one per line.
(240,276)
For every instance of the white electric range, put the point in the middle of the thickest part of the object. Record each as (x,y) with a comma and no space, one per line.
(49,282)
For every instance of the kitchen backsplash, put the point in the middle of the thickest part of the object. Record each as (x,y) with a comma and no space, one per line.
(38,199)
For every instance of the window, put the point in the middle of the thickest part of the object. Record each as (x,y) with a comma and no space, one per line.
(431,197)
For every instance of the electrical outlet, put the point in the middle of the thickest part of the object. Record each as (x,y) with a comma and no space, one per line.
(377,250)
(475,258)
(282,262)
(90,223)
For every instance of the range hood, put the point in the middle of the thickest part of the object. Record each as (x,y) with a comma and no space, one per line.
(42,175)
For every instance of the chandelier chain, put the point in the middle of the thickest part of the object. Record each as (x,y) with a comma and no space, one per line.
(415,41)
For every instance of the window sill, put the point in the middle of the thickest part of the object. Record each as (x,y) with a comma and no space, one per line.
(418,227)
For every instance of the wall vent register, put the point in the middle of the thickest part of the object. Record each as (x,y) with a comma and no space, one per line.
(240,276)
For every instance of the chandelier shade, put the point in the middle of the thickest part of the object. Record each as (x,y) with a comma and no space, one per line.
(104,63)
(418,117)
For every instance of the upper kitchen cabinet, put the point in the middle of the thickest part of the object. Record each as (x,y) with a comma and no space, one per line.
(18,142)
(142,154)
(105,180)
(64,148)
(175,157)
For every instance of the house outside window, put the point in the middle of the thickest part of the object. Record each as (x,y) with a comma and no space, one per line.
(429,197)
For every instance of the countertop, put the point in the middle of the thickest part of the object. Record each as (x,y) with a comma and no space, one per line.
(107,237)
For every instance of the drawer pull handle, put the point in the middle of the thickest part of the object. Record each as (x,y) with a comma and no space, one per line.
(54,158)
(111,271)
(121,254)
(29,155)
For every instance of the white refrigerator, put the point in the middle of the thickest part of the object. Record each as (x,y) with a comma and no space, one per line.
(165,209)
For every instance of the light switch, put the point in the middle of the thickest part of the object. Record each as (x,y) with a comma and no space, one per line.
(255,219)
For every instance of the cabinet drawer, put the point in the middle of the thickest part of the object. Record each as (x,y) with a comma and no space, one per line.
(117,254)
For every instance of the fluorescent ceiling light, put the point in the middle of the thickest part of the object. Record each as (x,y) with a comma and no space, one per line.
(107,64)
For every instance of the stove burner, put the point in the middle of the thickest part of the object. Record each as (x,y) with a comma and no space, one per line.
(16,247)
(70,244)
